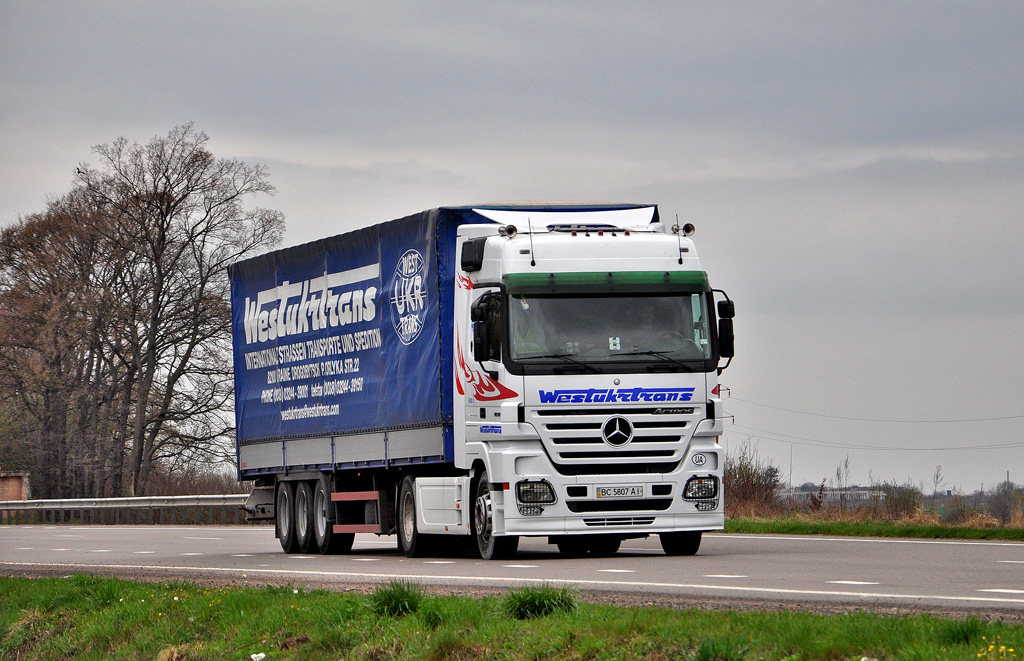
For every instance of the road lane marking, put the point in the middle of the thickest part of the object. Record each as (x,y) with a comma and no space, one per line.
(1003,591)
(143,552)
(725,576)
(618,571)
(191,553)
(241,555)
(365,559)
(521,566)
(60,549)
(24,548)
(204,538)
(1012,562)
(634,585)
(853,582)
(100,551)
(437,562)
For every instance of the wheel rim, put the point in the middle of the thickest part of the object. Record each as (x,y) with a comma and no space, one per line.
(301,513)
(408,518)
(320,512)
(482,514)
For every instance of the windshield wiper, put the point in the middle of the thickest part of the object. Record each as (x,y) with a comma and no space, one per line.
(659,354)
(567,357)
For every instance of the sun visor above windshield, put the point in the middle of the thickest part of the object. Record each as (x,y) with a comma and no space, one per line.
(636,217)
(638,282)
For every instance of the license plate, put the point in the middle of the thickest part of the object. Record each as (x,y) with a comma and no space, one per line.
(620,492)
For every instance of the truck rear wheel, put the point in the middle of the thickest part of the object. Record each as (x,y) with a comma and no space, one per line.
(304,517)
(284,516)
(410,541)
(681,543)
(327,541)
(490,546)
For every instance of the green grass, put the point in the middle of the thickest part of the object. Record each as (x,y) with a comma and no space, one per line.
(795,526)
(84,617)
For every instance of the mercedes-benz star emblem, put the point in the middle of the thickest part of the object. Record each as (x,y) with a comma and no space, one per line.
(617,430)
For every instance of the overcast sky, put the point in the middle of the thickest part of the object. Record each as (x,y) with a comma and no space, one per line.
(855,171)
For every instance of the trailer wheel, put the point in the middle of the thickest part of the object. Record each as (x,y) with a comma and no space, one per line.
(413,543)
(490,546)
(681,543)
(327,541)
(304,517)
(284,516)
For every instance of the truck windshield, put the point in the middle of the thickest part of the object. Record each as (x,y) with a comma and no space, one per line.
(613,328)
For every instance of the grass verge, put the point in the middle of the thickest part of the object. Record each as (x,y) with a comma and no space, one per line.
(792,525)
(85,617)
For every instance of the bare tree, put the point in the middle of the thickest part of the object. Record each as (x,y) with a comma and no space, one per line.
(115,351)
(177,213)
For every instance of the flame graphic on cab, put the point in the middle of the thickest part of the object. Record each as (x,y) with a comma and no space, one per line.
(464,281)
(485,389)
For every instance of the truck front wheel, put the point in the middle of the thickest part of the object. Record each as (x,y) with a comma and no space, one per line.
(681,543)
(284,516)
(490,546)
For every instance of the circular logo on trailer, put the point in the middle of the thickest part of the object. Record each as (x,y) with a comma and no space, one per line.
(617,431)
(409,296)
(699,459)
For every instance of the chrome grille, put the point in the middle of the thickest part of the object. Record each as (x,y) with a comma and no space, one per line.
(573,439)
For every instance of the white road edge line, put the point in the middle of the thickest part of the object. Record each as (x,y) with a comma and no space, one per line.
(519,581)
(863,540)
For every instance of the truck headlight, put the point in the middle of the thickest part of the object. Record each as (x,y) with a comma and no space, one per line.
(531,495)
(701,488)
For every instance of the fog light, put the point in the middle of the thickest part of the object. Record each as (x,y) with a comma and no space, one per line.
(531,510)
(539,492)
(706,505)
(701,488)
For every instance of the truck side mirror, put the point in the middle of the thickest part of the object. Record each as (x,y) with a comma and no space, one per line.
(726,339)
(726,309)
(473,254)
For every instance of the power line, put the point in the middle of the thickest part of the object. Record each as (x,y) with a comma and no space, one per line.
(814,442)
(843,417)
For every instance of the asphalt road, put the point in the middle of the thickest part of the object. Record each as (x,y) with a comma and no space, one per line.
(812,573)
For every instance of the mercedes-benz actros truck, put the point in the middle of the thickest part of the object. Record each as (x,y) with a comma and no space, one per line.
(484,373)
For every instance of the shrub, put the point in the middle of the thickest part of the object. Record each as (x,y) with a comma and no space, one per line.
(396,598)
(901,501)
(533,602)
(751,483)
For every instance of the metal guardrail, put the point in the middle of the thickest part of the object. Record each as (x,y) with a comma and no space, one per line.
(139,510)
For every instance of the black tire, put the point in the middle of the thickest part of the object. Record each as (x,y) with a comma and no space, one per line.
(604,545)
(327,541)
(410,541)
(490,546)
(681,543)
(304,517)
(573,546)
(284,516)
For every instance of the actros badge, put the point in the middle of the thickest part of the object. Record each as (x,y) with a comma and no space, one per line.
(409,296)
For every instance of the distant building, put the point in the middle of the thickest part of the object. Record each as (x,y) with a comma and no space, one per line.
(14,486)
